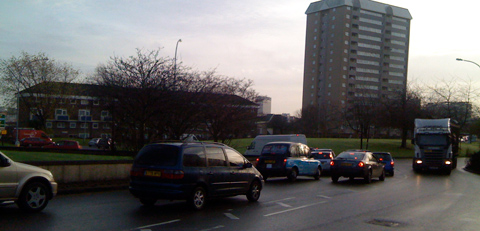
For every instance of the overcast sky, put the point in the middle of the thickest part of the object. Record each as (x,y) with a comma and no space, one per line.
(261,40)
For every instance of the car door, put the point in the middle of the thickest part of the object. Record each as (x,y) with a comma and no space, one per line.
(8,178)
(239,175)
(218,171)
(377,167)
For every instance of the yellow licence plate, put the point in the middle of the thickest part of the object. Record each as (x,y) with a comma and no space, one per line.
(346,164)
(153,173)
(270,161)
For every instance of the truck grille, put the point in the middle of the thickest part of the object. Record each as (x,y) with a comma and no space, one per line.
(434,158)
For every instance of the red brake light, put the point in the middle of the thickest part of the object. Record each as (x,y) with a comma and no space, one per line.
(361,164)
(381,159)
(392,163)
(332,163)
(137,172)
(173,174)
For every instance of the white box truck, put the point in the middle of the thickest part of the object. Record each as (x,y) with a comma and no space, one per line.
(436,145)
(255,148)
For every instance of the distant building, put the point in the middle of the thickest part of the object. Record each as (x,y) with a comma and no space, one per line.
(264,105)
(354,49)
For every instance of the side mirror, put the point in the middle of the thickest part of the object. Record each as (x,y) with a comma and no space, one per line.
(248,165)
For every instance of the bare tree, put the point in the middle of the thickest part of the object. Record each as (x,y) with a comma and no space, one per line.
(34,79)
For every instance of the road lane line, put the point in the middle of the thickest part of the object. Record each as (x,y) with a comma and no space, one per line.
(323,196)
(216,227)
(231,216)
(293,209)
(284,205)
(286,199)
(163,223)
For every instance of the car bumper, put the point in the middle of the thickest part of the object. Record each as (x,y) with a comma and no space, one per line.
(348,172)
(160,191)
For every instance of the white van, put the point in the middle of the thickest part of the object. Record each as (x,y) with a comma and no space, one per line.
(257,144)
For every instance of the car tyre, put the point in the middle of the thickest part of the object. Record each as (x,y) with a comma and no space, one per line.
(334,179)
(198,198)
(318,174)
(293,175)
(392,173)
(34,197)
(148,201)
(253,193)
(368,177)
(382,177)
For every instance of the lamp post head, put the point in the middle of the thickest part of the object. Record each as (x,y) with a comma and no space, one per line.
(459,59)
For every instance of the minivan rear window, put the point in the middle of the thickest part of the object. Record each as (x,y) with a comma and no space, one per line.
(163,155)
(275,149)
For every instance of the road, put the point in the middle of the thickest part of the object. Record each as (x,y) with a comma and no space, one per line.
(407,201)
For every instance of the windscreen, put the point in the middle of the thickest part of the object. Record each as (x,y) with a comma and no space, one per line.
(275,149)
(162,155)
(382,156)
(321,154)
(350,156)
(433,140)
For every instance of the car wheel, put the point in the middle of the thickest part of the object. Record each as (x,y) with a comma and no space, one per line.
(382,177)
(368,177)
(253,193)
(148,201)
(293,175)
(198,198)
(334,179)
(34,197)
(318,174)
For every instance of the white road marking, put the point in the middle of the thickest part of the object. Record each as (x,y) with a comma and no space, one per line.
(231,216)
(216,227)
(292,209)
(163,223)
(323,196)
(288,198)
(284,205)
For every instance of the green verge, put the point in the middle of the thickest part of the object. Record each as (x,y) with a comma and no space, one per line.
(337,144)
(377,145)
(21,156)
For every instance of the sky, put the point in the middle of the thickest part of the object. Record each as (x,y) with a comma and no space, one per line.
(263,41)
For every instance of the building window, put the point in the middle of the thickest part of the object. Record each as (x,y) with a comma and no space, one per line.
(96,102)
(84,102)
(73,125)
(73,101)
(48,125)
(84,125)
(60,125)
(95,125)
(106,126)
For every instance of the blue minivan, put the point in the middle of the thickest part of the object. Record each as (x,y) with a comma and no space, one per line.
(192,171)
(290,159)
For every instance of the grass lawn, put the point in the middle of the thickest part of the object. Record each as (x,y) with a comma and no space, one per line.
(340,144)
(47,156)
(337,144)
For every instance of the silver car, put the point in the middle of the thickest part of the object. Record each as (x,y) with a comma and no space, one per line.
(28,186)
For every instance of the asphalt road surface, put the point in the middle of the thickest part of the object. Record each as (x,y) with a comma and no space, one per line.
(407,201)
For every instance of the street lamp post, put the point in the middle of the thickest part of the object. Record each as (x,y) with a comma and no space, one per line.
(464,60)
(175,67)
(17,142)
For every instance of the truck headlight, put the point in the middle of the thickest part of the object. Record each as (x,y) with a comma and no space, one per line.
(418,161)
(447,162)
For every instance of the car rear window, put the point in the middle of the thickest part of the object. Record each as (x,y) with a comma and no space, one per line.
(321,155)
(163,155)
(382,156)
(275,149)
(351,156)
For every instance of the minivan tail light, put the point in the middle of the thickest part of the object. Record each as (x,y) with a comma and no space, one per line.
(332,163)
(137,172)
(361,164)
(392,163)
(173,174)
(285,161)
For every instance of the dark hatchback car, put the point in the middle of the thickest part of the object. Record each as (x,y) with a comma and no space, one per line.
(192,171)
(288,159)
(357,164)
(387,159)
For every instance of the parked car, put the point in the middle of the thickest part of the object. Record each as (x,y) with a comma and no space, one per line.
(357,164)
(288,159)
(104,143)
(192,171)
(34,142)
(93,142)
(28,186)
(65,144)
(325,156)
(387,159)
